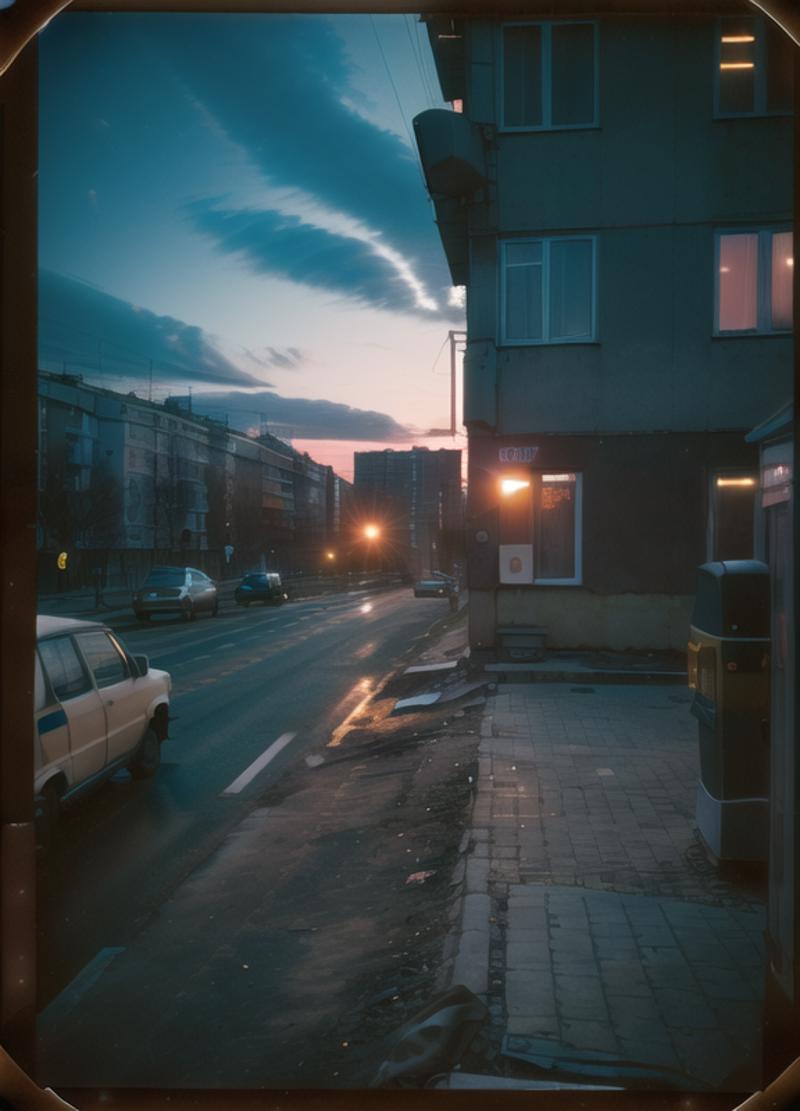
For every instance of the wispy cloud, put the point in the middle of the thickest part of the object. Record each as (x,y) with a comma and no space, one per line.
(297,417)
(85,329)
(357,265)
(279,87)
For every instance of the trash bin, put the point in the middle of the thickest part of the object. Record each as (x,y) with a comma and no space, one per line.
(729,673)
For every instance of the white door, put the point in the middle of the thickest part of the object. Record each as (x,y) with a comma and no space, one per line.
(125,705)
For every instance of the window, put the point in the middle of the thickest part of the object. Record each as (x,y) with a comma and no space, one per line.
(754,281)
(546,508)
(106,662)
(730,526)
(754,68)
(549,76)
(547,290)
(64,668)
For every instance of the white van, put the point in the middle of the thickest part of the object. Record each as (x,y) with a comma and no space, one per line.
(97,709)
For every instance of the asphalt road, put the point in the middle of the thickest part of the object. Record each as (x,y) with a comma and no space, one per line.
(247,684)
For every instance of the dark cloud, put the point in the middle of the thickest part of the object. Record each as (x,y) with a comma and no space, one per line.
(276,84)
(289,358)
(297,417)
(83,328)
(283,246)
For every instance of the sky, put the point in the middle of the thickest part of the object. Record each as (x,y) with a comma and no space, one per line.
(233,204)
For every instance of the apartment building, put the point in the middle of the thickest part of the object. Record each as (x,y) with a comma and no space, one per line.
(615,193)
(416,496)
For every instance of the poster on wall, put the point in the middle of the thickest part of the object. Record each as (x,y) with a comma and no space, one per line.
(516,563)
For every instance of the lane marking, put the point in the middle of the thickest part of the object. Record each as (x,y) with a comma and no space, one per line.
(58,1009)
(220,647)
(290,623)
(259,764)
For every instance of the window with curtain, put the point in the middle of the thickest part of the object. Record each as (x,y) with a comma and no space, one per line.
(754,281)
(547,290)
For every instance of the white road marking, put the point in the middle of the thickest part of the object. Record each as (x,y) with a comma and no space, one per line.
(259,764)
(289,625)
(232,644)
(58,1009)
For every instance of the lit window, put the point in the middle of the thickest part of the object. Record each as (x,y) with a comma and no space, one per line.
(754,281)
(541,533)
(549,75)
(731,517)
(547,290)
(754,68)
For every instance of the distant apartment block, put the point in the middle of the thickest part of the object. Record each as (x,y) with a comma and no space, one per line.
(417,493)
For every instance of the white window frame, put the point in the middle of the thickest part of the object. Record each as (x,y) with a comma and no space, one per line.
(547,77)
(763,282)
(760,87)
(577,579)
(546,340)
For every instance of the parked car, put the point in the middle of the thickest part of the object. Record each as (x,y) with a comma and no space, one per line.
(437,586)
(182,590)
(260,586)
(97,709)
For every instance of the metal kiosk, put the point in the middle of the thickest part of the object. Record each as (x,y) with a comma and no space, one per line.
(729,673)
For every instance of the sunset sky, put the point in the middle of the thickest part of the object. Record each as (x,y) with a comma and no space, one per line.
(234,204)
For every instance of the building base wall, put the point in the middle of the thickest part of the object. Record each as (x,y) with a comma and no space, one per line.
(577,618)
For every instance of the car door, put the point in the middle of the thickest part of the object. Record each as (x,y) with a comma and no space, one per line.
(72,685)
(125,705)
(202,591)
(52,731)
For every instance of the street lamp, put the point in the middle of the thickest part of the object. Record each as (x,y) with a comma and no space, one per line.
(371,532)
(330,556)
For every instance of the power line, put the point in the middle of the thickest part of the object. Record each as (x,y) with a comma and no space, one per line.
(396,96)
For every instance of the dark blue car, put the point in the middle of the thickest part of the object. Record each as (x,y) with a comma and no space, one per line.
(260,586)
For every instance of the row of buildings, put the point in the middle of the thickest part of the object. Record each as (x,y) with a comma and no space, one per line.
(124,483)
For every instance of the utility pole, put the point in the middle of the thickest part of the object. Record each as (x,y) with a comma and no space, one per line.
(451,335)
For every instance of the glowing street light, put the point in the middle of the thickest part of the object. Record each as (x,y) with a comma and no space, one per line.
(330,556)
(371,532)
(510,486)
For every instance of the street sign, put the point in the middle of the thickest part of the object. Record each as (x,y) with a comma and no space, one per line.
(525,454)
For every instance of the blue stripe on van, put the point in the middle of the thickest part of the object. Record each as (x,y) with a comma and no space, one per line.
(52,721)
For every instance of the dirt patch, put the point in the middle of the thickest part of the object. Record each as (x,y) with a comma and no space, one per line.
(387,804)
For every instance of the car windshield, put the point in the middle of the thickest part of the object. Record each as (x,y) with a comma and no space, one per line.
(165,576)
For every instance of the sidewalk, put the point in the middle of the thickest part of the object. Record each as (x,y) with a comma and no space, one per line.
(591,916)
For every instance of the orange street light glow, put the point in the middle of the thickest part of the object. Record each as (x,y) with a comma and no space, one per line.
(738,38)
(737,65)
(511,485)
(330,555)
(736,482)
(372,532)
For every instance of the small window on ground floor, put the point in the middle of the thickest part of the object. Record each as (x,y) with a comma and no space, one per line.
(731,515)
(540,529)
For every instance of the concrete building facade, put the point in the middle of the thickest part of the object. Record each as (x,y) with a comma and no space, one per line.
(616,196)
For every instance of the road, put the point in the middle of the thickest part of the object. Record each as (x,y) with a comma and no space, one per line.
(248,685)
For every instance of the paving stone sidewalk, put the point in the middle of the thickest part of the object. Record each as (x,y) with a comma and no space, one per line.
(591,913)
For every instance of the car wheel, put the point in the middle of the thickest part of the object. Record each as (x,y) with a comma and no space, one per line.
(48,816)
(187,610)
(148,757)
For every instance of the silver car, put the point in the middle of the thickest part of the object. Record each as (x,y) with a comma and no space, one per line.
(181,590)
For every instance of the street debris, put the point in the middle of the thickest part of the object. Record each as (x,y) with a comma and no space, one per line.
(552,1056)
(434,1040)
(419,877)
(314,761)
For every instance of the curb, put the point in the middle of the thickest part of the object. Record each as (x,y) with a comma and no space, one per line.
(465,954)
